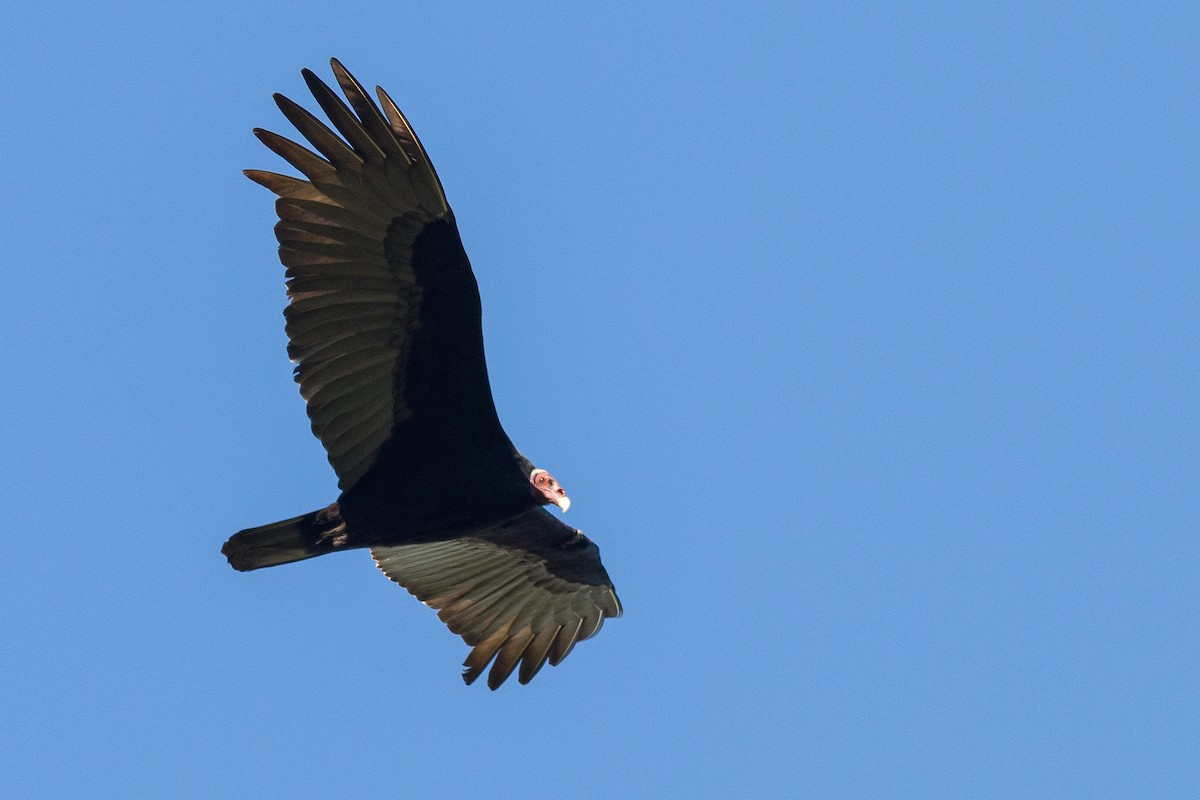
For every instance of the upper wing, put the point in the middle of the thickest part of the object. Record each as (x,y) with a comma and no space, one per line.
(524,591)
(377,277)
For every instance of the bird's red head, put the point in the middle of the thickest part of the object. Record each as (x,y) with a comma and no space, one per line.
(546,490)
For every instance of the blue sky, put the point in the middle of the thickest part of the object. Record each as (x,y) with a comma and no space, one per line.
(865,341)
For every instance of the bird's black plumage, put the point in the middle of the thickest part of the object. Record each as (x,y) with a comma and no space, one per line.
(384,324)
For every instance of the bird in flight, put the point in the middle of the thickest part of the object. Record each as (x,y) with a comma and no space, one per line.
(383,323)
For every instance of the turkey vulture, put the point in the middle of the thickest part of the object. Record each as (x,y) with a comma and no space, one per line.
(383,322)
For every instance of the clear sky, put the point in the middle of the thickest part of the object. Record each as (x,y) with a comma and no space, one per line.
(865,341)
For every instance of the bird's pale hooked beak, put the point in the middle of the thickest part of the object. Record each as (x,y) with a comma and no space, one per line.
(563,502)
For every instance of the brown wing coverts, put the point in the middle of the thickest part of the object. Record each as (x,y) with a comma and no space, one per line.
(524,592)
(353,305)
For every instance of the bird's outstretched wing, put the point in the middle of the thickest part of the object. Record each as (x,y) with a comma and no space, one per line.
(525,591)
(384,313)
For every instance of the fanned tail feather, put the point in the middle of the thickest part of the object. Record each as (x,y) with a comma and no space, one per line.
(306,536)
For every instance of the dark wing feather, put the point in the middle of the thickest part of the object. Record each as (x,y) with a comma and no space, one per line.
(346,236)
(522,593)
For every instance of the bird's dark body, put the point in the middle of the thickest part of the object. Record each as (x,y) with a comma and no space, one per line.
(453,438)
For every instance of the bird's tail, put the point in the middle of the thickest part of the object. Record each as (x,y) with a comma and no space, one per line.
(295,539)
